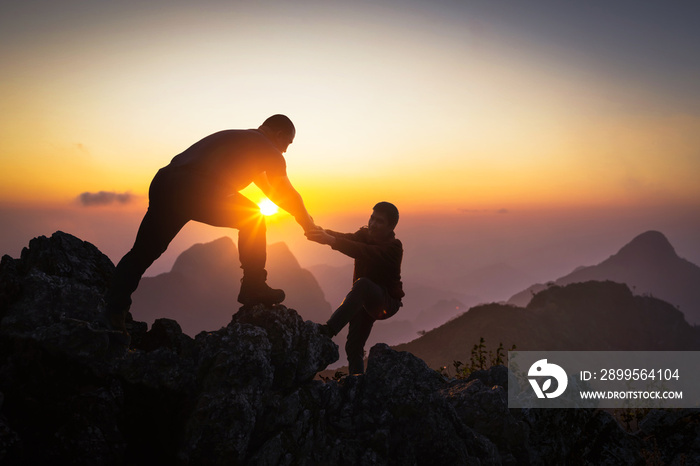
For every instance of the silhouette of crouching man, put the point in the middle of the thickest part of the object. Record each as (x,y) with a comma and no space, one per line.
(377,290)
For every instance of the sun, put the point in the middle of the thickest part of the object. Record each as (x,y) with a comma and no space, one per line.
(267,207)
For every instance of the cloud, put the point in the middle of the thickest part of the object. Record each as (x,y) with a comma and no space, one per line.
(102,198)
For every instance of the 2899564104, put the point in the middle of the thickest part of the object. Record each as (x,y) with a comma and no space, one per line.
(639,374)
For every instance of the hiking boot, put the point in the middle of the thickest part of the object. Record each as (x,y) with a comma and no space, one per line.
(253,293)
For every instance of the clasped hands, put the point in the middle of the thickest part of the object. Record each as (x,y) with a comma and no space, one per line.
(319,235)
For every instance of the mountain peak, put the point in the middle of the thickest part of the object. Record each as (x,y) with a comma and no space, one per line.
(218,254)
(651,244)
(648,265)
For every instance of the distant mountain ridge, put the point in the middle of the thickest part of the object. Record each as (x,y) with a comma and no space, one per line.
(201,290)
(590,316)
(648,265)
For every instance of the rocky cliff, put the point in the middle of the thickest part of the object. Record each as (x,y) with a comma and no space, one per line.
(71,393)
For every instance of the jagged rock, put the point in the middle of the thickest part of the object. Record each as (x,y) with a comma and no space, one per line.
(400,398)
(297,348)
(53,290)
(169,397)
(483,406)
(671,436)
(245,394)
(57,275)
(605,442)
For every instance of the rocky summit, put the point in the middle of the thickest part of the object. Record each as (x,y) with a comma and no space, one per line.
(73,392)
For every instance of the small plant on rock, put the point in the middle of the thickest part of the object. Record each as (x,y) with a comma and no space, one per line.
(480,359)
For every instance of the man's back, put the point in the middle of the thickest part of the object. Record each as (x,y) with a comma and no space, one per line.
(232,158)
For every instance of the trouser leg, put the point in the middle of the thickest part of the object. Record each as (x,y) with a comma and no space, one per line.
(358,333)
(365,295)
(155,233)
(363,301)
(252,246)
(237,211)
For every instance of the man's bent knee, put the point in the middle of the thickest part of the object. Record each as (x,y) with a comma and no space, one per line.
(251,224)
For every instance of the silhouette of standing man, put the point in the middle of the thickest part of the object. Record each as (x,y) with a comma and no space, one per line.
(202,184)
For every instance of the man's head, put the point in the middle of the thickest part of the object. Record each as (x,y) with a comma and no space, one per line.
(280,130)
(384,218)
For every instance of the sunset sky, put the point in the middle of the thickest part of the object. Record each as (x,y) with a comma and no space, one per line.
(448,107)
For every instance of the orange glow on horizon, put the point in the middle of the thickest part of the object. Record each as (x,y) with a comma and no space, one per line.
(490,123)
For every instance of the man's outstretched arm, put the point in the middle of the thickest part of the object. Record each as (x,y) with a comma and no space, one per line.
(321,236)
(280,191)
(348,244)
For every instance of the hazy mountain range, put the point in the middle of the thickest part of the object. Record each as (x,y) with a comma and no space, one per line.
(201,290)
(649,265)
(644,297)
(589,316)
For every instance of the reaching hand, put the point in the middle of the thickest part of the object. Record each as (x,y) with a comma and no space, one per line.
(320,236)
(307,224)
